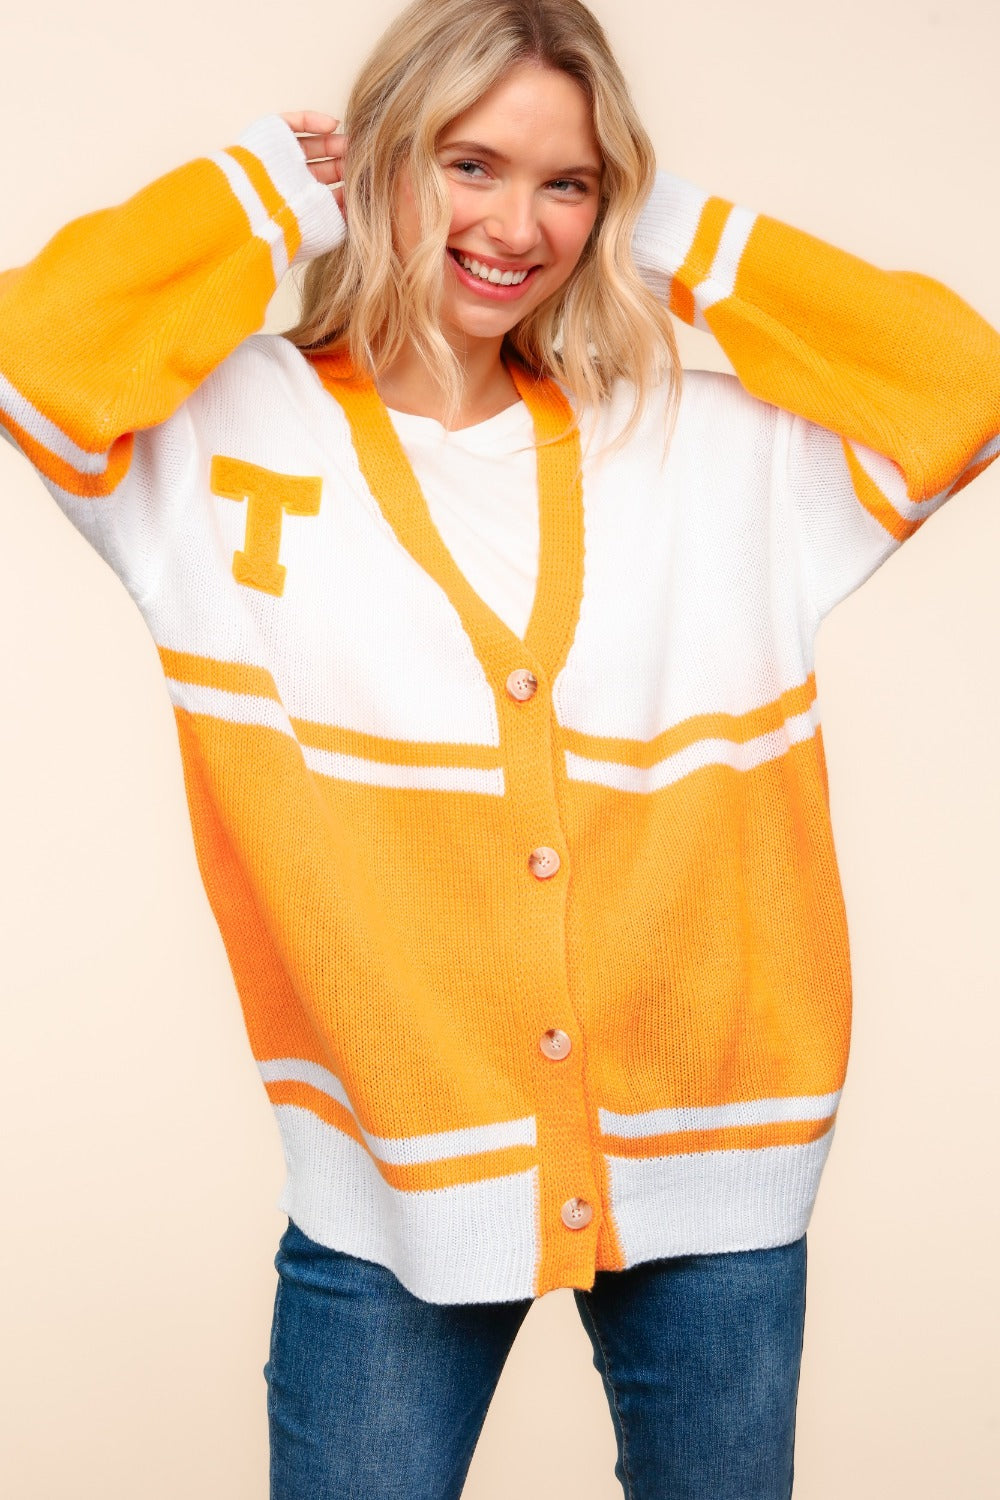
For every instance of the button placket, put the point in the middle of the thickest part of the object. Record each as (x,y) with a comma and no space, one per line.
(538,806)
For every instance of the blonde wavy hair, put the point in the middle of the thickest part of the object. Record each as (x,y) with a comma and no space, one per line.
(432,64)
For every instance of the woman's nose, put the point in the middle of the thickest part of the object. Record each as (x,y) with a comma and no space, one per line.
(513,224)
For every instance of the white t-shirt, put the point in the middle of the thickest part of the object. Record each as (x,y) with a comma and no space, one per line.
(483,498)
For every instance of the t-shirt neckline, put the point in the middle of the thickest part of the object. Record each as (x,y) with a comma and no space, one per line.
(512,420)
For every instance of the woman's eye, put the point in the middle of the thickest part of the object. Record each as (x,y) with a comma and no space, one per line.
(467,168)
(569,185)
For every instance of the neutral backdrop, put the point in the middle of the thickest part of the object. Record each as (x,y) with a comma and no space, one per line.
(140,1165)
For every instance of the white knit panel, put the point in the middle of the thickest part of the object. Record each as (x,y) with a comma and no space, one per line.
(361,637)
(841,542)
(706,1201)
(692,595)
(475,1242)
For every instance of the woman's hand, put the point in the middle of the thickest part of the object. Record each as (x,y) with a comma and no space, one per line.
(324,147)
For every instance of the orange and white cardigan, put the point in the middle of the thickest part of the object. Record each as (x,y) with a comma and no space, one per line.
(496,1071)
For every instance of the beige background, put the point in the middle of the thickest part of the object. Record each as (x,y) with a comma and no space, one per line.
(141,1165)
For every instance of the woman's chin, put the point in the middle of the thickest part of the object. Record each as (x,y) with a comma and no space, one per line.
(478,323)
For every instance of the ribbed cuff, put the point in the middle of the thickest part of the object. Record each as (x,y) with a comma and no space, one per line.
(667,225)
(320,221)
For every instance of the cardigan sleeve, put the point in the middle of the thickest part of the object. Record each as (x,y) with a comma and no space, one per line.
(887,382)
(125,311)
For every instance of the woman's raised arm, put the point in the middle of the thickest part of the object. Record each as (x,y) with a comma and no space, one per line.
(889,380)
(127,310)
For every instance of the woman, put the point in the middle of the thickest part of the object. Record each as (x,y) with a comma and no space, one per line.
(490,644)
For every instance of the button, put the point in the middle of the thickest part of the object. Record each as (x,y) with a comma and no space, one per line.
(522,685)
(543,862)
(555,1044)
(576,1213)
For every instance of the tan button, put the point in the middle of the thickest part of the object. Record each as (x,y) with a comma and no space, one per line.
(543,862)
(576,1213)
(555,1044)
(522,685)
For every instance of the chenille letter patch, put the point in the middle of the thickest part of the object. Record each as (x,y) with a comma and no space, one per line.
(268,495)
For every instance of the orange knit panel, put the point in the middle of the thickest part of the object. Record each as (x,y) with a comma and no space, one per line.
(712,936)
(277,1022)
(390,874)
(708,960)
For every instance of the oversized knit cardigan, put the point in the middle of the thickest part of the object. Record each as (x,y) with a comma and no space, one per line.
(540,943)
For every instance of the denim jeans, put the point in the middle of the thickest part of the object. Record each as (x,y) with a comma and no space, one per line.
(374,1394)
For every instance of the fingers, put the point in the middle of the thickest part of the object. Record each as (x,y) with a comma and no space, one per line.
(318,146)
(328,171)
(323,145)
(310,122)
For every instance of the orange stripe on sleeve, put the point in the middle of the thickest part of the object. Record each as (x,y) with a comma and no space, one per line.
(59,472)
(269,196)
(699,258)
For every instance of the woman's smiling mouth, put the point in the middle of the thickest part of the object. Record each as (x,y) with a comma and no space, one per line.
(490,279)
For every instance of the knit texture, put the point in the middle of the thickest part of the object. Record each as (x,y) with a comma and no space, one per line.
(496,1074)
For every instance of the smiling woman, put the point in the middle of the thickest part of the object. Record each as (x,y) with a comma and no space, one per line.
(502,751)
(521,219)
(516,143)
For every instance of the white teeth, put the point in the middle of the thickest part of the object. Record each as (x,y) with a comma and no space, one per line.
(490,273)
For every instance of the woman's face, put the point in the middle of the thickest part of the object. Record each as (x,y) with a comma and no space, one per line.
(523,168)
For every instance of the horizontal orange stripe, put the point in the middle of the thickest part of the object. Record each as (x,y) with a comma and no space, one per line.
(738,727)
(423,1177)
(291,1091)
(394,752)
(240,677)
(86,486)
(268,194)
(729,1138)
(207,671)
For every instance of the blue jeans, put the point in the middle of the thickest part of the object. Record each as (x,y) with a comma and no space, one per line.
(374,1394)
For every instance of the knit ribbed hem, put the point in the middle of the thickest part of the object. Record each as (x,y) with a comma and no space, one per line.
(478,1242)
(320,221)
(474,1242)
(702,1202)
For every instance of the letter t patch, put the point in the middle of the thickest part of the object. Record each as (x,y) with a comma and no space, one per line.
(268,496)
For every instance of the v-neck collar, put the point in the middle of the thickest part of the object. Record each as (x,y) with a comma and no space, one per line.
(390,477)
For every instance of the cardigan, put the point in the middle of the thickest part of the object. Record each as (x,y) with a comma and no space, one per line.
(480,486)
(540,944)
